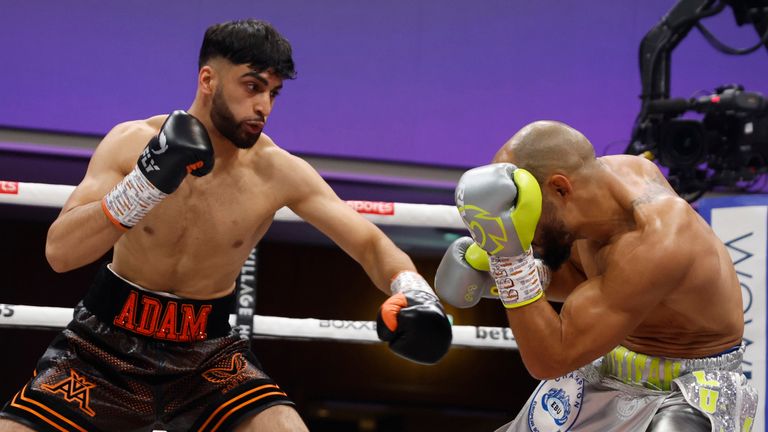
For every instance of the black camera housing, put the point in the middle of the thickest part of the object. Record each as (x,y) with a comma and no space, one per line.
(727,145)
(727,148)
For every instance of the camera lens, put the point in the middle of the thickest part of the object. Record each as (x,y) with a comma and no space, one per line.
(682,144)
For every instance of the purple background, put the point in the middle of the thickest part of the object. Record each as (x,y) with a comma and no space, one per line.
(428,81)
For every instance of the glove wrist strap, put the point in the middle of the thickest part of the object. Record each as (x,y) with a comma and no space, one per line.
(408,280)
(517,279)
(131,199)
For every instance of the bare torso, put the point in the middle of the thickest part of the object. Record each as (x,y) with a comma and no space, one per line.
(701,314)
(194,243)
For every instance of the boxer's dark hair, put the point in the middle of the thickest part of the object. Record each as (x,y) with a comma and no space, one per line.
(252,42)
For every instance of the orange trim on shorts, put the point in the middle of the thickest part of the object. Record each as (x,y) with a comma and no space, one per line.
(35,413)
(230,412)
(111,218)
(40,415)
(234,399)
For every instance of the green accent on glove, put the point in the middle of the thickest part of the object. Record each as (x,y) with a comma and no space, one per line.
(525,215)
(477,257)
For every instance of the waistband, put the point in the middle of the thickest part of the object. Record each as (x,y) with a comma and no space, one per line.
(658,372)
(148,314)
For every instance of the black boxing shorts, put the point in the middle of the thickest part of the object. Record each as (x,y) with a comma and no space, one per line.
(136,360)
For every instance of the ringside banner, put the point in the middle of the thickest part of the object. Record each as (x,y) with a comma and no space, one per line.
(741,223)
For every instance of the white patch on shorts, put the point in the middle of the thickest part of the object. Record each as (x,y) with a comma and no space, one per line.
(626,406)
(556,404)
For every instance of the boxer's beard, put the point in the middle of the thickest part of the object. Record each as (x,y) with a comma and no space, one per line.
(224,120)
(555,243)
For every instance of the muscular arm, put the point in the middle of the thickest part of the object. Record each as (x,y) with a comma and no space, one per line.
(82,233)
(318,204)
(598,315)
(566,278)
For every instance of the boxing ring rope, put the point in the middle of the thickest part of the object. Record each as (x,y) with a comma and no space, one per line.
(380,213)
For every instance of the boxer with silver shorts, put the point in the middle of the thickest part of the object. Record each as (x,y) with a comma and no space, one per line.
(649,335)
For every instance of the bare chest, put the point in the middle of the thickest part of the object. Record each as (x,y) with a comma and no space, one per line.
(215,213)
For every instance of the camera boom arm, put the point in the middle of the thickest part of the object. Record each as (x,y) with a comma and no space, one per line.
(657,45)
(656,50)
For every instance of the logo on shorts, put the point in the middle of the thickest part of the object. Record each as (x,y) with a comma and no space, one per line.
(626,406)
(74,389)
(556,403)
(230,377)
(148,316)
(219,375)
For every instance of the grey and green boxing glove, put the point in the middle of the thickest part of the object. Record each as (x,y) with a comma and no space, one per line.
(463,277)
(500,204)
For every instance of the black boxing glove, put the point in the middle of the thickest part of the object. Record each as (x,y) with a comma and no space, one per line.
(413,321)
(181,147)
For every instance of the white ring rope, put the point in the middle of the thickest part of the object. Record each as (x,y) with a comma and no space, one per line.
(380,213)
(45,317)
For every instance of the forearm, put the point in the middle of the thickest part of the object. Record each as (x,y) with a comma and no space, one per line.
(547,348)
(79,237)
(384,261)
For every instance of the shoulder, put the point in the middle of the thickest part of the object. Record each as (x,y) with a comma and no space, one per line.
(282,168)
(134,131)
(632,162)
(149,126)
(660,246)
(267,151)
(123,143)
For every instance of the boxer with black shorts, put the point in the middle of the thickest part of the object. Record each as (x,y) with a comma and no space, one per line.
(150,345)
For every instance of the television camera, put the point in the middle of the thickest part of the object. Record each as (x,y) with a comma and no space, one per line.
(728,147)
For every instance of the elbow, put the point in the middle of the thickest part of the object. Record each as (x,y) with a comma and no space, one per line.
(56,259)
(541,372)
(543,369)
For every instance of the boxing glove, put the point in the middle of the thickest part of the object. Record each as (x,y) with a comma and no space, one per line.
(500,204)
(413,321)
(462,277)
(181,147)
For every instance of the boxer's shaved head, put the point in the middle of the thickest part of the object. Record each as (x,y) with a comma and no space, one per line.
(545,147)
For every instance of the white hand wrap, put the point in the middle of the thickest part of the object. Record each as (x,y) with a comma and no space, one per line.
(131,199)
(407,281)
(517,279)
(545,275)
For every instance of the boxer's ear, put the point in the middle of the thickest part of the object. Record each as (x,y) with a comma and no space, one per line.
(559,185)
(207,80)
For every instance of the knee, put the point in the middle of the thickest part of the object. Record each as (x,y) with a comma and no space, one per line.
(279,418)
(11,426)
